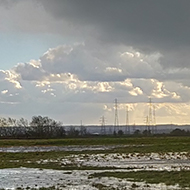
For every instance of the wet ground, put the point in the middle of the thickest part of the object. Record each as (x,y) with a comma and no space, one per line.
(55,148)
(28,178)
(68,180)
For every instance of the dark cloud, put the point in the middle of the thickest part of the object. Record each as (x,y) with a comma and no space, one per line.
(125,49)
(8,3)
(160,23)
(148,25)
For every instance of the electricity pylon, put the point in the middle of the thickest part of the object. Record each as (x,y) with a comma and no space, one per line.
(151,117)
(127,121)
(103,128)
(116,120)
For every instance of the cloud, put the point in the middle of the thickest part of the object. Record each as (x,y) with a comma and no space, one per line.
(30,71)
(89,65)
(129,50)
(10,87)
(128,21)
(79,73)
(76,60)
(147,26)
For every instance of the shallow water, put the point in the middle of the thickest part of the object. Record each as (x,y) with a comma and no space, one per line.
(54,148)
(79,179)
(67,180)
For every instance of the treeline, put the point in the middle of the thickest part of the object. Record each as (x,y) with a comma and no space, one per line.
(38,127)
(175,132)
(45,127)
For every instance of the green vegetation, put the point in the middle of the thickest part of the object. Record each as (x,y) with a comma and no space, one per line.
(99,186)
(35,160)
(53,159)
(97,141)
(144,144)
(169,178)
(138,145)
(41,188)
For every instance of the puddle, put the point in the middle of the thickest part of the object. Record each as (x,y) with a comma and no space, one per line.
(54,148)
(135,161)
(79,179)
(68,180)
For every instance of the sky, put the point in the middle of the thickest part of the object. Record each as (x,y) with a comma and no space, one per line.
(70,60)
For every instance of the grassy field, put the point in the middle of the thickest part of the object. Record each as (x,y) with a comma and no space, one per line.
(95,141)
(145,144)
(169,178)
(138,145)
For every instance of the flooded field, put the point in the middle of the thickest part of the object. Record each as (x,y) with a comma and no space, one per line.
(96,167)
(27,178)
(25,149)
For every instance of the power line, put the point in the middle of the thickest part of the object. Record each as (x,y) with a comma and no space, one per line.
(116,121)
(151,118)
(150,112)
(103,123)
(154,116)
(127,121)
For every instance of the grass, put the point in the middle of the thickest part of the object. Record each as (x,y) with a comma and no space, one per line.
(139,145)
(33,160)
(152,177)
(144,144)
(41,188)
(96,141)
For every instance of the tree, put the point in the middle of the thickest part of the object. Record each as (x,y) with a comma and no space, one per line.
(3,122)
(137,132)
(22,122)
(120,133)
(179,132)
(43,126)
(73,132)
(40,121)
(146,132)
(8,122)
(11,121)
